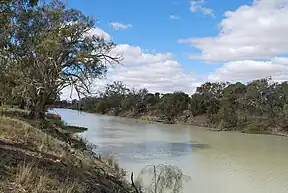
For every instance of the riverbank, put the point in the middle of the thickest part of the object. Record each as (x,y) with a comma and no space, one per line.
(45,157)
(187,118)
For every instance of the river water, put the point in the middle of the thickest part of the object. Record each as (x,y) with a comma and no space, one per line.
(217,162)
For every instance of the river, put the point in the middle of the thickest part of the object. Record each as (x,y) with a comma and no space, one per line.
(217,162)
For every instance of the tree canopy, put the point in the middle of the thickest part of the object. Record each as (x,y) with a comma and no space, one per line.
(46,48)
(261,102)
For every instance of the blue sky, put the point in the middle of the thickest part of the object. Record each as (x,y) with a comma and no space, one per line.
(152,27)
(232,40)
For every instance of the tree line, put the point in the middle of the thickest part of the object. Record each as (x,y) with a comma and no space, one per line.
(44,48)
(260,104)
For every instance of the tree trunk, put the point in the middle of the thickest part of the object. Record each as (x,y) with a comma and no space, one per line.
(22,104)
(40,110)
(37,110)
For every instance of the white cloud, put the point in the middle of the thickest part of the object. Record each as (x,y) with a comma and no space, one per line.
(198,6)
(174,17)
(157,72)
(94,31)
(134,55)
(164,76)
(246,70)
(120,26)
(98,32)
(251,41)
(252,32)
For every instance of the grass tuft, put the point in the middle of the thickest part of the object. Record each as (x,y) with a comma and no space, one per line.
(19,134)
(32,179)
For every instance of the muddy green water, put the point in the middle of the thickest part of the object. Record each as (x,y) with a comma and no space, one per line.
(217,162)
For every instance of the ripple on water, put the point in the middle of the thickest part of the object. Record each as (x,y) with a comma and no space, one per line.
(148,151)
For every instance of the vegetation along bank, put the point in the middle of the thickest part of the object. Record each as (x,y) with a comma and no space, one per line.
(260,106)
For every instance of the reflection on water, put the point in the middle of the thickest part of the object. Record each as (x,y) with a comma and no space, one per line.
(148,151)
(218,162)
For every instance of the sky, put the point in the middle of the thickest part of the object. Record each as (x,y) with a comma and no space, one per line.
(176,45)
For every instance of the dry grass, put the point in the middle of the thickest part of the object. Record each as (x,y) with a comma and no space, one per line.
(21,138)
(42,157)
(21,133)
(31,179)
(13,112)
(112,162)
(24,174)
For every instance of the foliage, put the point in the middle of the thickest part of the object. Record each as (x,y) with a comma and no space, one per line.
(172,104)
(226,105)
(75,129)
(163,178)
(47,48)
(230,103)
(207,97)
(114,93)
(57,121)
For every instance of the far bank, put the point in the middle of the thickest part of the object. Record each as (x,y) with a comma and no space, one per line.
(259,106)
(260,126)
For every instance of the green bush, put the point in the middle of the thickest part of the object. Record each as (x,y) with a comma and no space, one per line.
(256,128)
(75,129)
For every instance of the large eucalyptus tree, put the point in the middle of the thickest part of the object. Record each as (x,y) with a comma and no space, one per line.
(49,48)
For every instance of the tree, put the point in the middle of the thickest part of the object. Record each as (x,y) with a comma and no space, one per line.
(90,104)
(30,2)
(8,8)
(259,105)
(151,99)
(141,104)
(207,98)
(280,108)
(197,105)
(259,97)
(114,93)
(52,48)
(163,178)
(101,107)
(128,103)
(231,103)
(172,104)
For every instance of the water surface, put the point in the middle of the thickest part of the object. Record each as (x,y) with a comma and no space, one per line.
(217,162)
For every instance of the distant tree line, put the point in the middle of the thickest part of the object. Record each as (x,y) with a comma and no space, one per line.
(260,104)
